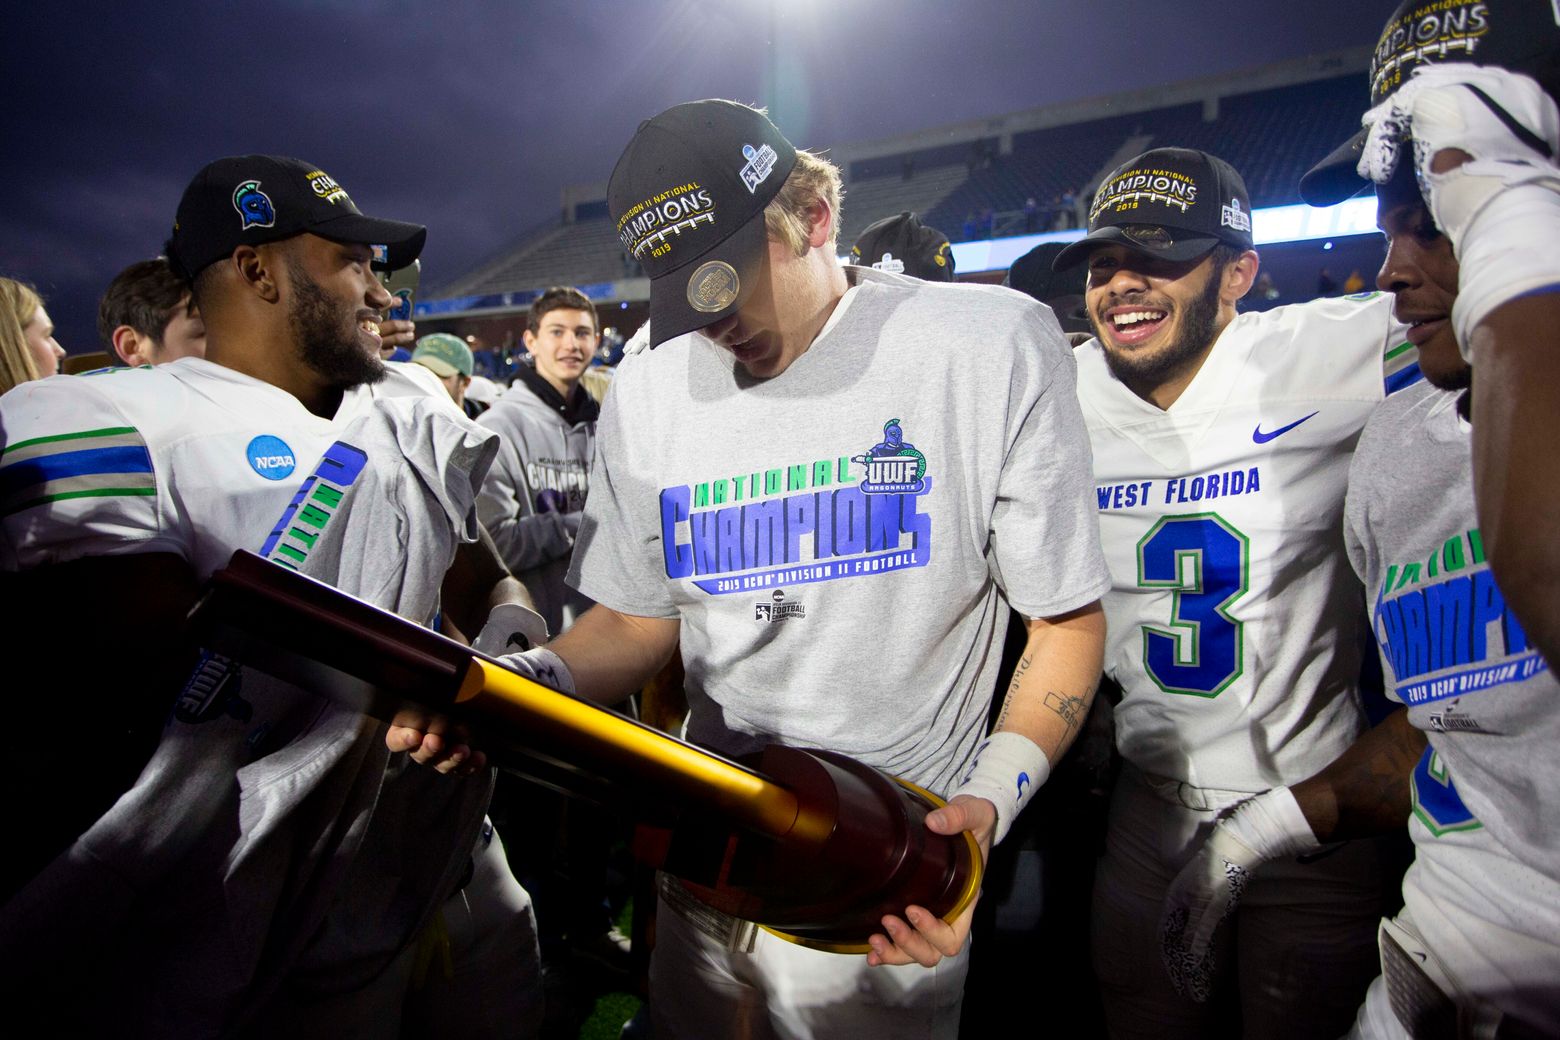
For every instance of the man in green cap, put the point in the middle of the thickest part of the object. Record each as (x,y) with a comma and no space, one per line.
(449,358)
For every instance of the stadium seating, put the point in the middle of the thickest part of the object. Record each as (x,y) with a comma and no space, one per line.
(581,253)
(1271,135)
(1043,165)
(873,199)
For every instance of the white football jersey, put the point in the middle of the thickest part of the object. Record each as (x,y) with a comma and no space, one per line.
(190,458)
(1235,622)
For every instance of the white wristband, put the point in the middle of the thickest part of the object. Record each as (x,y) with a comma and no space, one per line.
(1507,251)
(511,628)
(1008,769)
(543,666)
(1263,828)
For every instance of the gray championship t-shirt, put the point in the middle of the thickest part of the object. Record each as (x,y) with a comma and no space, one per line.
(835,539)
(1484,889)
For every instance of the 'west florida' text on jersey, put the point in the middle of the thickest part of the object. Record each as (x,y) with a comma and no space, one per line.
(1233,619)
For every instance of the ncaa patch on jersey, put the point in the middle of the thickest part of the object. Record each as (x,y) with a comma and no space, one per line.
(270,457)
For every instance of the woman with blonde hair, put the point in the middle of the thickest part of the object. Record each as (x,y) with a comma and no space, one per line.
(28,349)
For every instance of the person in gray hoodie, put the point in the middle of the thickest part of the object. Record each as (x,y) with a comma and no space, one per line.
(534,494)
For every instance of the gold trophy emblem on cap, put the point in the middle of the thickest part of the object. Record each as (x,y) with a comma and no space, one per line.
(713,287)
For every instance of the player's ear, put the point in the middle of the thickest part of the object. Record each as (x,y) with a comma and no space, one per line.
(1239,276)
(820,223)
(258,269)
(529,339)
(127,344)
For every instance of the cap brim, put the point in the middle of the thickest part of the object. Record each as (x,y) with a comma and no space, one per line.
(672,312)
(1186,247)
(1336,177)
(438,366)
(403,242)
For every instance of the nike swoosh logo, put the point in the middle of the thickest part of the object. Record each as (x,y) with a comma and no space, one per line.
(1258,437)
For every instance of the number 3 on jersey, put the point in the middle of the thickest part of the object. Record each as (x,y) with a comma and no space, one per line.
(1204,560)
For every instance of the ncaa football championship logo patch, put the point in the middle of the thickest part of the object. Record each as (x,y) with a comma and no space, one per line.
(1232,216)
(893,265)
(776,609)
(760,164)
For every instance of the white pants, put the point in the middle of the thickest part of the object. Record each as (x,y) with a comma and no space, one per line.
(700,990)
(1376,1020)
(1472,1012)
(1300,951)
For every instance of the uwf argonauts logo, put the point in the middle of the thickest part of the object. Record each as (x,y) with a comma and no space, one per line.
(253,205)
(893,466)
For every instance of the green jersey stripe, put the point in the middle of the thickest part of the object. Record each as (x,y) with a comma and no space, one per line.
(123,492)
(109,431)
(77,486)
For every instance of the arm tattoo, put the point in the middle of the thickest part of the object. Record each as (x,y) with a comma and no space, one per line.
(1070,709)
(1374,791)
(1007,703)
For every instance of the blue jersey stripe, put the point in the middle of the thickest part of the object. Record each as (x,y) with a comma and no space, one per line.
(1540,291)
(89,462)
(1403,377)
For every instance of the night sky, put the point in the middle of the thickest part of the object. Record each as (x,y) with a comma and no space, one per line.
(469,117)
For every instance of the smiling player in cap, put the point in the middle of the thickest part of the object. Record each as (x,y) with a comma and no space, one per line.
(271,866)
(736,461)
(1453,95)
(1221,448)
(1471,760)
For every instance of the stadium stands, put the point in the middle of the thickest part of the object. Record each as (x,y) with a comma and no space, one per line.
(1271,136)
(581,253)
(868,201)
(1270,124)
(1043,165)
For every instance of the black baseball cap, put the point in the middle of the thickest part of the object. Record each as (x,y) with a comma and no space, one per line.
(687,198)
(903,244)
(1172,203)
(1062,291)
(1520,35)
(253,199)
